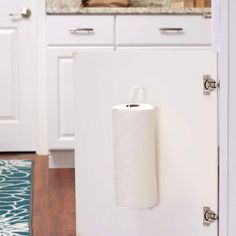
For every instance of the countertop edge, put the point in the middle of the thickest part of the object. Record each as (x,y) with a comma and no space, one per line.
(126,11)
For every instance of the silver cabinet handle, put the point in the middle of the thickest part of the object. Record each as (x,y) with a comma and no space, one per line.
(25,13)
(81,30)
(171,30)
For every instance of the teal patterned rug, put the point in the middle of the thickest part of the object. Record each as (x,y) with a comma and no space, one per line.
(15,197)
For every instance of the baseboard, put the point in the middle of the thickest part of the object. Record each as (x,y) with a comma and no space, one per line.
(61,159)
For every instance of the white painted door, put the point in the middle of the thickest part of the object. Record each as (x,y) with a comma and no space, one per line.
(18,74)
(186,141)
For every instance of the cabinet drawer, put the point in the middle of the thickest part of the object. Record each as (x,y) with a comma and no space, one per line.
(163,30)
(80,30)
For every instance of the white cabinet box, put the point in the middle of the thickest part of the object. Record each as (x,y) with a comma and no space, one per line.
(78,33)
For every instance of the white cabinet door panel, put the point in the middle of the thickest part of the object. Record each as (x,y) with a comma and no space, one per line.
(61,95)
(60,98)
(186,141)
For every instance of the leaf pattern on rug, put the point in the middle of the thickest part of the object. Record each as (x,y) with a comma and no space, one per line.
(15,197)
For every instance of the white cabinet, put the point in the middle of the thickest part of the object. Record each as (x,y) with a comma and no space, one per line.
(79,33)
(75,34)
(61,95)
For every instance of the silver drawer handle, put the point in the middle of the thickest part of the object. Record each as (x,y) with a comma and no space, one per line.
(81,30)
(171,30)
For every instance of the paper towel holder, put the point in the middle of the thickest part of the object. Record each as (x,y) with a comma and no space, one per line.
(136,95)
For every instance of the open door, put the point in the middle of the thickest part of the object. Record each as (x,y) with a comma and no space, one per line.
(187,162)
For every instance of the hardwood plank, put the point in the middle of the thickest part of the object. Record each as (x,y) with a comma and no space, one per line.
(41,215)
(62,201)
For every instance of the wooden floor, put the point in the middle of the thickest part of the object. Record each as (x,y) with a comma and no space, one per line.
(53,197)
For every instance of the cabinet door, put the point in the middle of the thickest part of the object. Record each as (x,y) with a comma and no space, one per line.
(186,142)
(61,95)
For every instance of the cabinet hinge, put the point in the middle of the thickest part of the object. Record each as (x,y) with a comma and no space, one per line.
(209,216)
(209,85)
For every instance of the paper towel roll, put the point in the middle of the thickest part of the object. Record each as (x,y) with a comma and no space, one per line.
(134,155)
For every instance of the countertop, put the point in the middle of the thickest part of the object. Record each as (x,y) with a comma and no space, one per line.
(67,10)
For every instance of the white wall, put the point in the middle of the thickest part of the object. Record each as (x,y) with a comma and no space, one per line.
(232,119)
